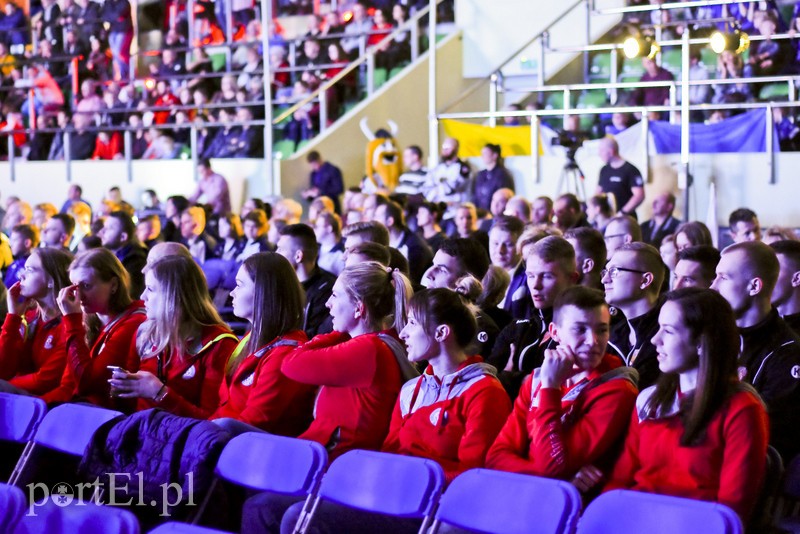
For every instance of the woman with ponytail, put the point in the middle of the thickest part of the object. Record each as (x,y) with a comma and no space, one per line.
(361,365)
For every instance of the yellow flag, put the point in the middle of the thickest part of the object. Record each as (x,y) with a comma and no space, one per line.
(513,140)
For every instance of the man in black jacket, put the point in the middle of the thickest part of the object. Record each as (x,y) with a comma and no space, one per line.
(298,244)
(411,245)
(632,281)
(119,236)
(770,357)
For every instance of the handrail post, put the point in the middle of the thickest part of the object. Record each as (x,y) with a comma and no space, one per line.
(685,146)
(792,90)
(673,98)
(362,44)
(535,136)
(566,105)
(493,99)
(190,9)
(414,36)
(229,59)
(588,42)
(127,140)
(68,152)
(193,150)
(433,120)
(266,16)
(132,67)
(770,143)
(614,74)
(646,146)
(542,45)
(370,74)
(323,111)
(12,157)
(229,26)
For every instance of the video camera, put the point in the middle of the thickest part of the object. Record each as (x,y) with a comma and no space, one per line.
(570,140)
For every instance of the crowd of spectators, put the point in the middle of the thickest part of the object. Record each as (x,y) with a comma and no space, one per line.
(79,81)
(529,298)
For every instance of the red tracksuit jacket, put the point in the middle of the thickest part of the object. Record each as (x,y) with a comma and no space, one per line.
(193,380)
(555,432)
(86,374)
(32,353)
(260,395)
(360,380)
(452,420)
(727,467)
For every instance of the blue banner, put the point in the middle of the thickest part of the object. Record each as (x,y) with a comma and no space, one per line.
(743,133)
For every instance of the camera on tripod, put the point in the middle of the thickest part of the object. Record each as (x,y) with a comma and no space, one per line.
(571,140)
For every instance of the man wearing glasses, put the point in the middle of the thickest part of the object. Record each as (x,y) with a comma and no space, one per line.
(619,231)
(632,281)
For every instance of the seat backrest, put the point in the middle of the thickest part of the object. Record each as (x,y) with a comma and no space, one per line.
(19,416)
(68,428)
(266,462)
(629,512)
(12,506)
(504,503)
(791,481)
(184,528)
(73,518)
(400,486)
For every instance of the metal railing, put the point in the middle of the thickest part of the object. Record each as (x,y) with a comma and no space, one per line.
(366,61)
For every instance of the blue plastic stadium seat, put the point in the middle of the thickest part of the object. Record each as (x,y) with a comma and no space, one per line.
(507,503)
(184,528)
(66,428)
(20,416)
(635,512)
(382,483)
(72,519)
(12,506)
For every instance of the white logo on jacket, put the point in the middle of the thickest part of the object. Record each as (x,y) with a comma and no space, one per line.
(190,373)
(435,416)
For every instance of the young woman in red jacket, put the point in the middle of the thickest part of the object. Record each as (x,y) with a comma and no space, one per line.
(574,409)
(450,414)
(183,344)
(358,365)
(699,432)
(100,323)
(254,392)
(33,349)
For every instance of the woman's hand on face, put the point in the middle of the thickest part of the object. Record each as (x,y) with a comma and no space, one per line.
(17,304)
(134,385)
(68,300)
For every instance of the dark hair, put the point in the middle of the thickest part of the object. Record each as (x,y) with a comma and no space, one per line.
(28,231)
(313,157)
(127,224)
(741,215)
(649,259)
(712,324)
(234,222)
(372,252)
(258,203)
(371,230)
(398,261)
(395,211)
(761,261)
(257,216)
(303,237)
(55,264)
(696,232)
(67,221)
(470,254)
(509,224)
(493,148)
(589,243)
(790,249)
(180,202)
(706,255)
(91,241)
(414,148)
(583,298)
(555,249)
(432,307)
(433,208)
(572,201)
(204,162)
(629,225)
(603,203)
(278,301)
(333,220)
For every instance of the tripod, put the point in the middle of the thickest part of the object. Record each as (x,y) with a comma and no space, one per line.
(572,180)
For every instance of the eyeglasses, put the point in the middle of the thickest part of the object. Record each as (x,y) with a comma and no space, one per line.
(613,272)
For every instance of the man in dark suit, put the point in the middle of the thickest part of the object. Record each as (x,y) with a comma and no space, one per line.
(663,223)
